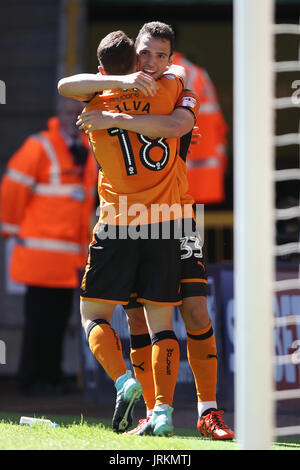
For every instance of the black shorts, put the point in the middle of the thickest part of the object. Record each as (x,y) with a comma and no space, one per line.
(193,272)
(117,268)
(193,277)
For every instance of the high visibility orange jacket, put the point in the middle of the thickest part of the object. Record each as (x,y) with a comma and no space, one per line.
(206,159)
(46,203)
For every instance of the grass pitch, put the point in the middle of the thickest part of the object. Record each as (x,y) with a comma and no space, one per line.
(77,433)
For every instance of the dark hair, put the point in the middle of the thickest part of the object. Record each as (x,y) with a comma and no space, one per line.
(158,30)
(116,53)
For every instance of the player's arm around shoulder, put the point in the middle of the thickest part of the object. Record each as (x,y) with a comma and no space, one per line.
(180,122)
(81,87)
(174,125)
(84,86)
(177,124)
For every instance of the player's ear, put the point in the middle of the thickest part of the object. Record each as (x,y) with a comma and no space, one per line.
(138,64)
(101,70)
(171,59)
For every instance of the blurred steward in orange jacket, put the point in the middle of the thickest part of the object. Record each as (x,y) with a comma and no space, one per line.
(47,196)
(206,159)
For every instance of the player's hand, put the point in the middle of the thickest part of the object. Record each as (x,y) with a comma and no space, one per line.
(94,120)
(142,82)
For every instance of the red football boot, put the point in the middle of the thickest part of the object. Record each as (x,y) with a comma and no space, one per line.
(212,425)
(140,427)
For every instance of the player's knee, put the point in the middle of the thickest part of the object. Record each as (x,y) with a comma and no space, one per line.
(94,310)
(195,314)
(136,321)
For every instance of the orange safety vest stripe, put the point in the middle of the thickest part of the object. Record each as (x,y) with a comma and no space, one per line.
(48,206)
(206,158)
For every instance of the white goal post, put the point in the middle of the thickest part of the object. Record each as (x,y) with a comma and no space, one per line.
(253,222)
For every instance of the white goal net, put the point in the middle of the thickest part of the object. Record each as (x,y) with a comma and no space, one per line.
(255,219)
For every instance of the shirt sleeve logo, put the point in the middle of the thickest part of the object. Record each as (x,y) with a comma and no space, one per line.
(189,102)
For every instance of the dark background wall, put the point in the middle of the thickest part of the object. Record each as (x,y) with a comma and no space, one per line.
(29,34)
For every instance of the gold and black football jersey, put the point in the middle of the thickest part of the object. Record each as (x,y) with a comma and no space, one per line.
(138,172)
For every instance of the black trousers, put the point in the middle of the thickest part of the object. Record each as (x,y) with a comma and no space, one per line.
(47,312)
